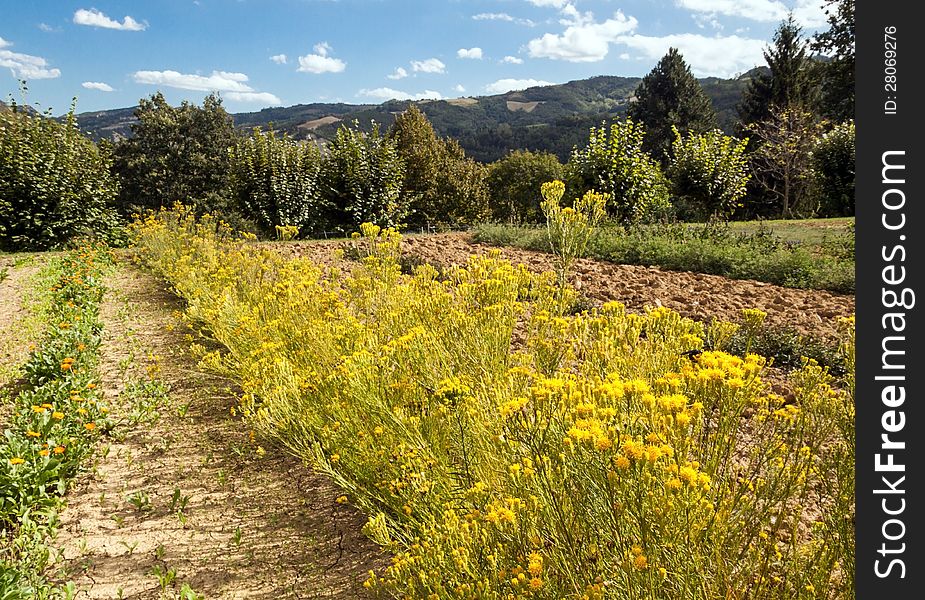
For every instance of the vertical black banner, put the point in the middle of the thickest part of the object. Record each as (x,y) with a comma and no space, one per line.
(890,264)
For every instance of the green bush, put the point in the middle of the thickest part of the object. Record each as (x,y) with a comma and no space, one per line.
(833,167)
(361,180)
(275,181)
(614,163)
(55,184)
(708,174)
(514,185)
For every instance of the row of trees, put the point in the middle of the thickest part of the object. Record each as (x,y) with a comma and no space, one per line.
(406,175)
(796,112)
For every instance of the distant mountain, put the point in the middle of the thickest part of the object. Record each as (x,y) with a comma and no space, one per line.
(553,118)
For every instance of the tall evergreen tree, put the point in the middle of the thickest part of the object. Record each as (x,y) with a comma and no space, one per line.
(789,82)
(837,74)
(669,96)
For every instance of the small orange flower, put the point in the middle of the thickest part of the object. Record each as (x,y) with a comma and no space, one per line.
(91,386)
(90,426)
(65,366)
(59,449)
(34,434)
(43,452)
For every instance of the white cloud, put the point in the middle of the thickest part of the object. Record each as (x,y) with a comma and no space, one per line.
(550,3)
(232,85)
(624,56)
(97,85)
(430,65)
(320,62)
(459,88)
(386,93)
(280,59)
(399,73)
(220,81)
(95,18)
(512,60)
(503,17)
(265,98)
(25,66)
(583,40)
(506,85)
(48,28)
(707,56)
(808,13)
(474,53)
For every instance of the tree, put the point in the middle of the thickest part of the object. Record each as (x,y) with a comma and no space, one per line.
(361,180)
(614,163)
(708,173)
(668,97)
(782,161)
(175,154)
(833,167)
(837,75)
(514,185)
(274,180)
(442,186)
(787,84)
(423,154)
(55,184)
(461,188)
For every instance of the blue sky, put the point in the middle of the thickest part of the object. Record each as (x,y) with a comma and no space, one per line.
(260,53)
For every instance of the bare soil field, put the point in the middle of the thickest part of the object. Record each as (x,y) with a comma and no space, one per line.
(694,295)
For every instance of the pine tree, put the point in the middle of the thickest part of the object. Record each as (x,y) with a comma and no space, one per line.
(671,97)
(788,84)
(837,75)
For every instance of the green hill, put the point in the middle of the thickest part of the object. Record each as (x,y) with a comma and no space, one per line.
(552,118)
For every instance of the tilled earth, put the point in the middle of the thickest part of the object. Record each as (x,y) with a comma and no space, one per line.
(695,295)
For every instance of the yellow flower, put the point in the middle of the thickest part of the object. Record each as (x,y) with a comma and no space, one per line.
(16,461)
(640,562)
(89,426)
(341,500)
(34,434)
(57,415)
(59,449)
(43,452)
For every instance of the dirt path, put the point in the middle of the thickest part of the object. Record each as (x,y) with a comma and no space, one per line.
(694,295)
(190,498)
(17,330)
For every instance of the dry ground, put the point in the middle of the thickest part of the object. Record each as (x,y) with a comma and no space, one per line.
(190,493)
(694,295)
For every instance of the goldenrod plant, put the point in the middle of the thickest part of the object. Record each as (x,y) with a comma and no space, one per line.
(569,228)
(505,449)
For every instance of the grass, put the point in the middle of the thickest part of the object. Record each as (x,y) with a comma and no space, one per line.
(811,254)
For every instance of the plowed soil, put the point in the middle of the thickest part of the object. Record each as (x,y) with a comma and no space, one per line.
(694,295)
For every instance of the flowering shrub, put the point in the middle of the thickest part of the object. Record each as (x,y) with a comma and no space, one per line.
(505,449)
(569,228)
